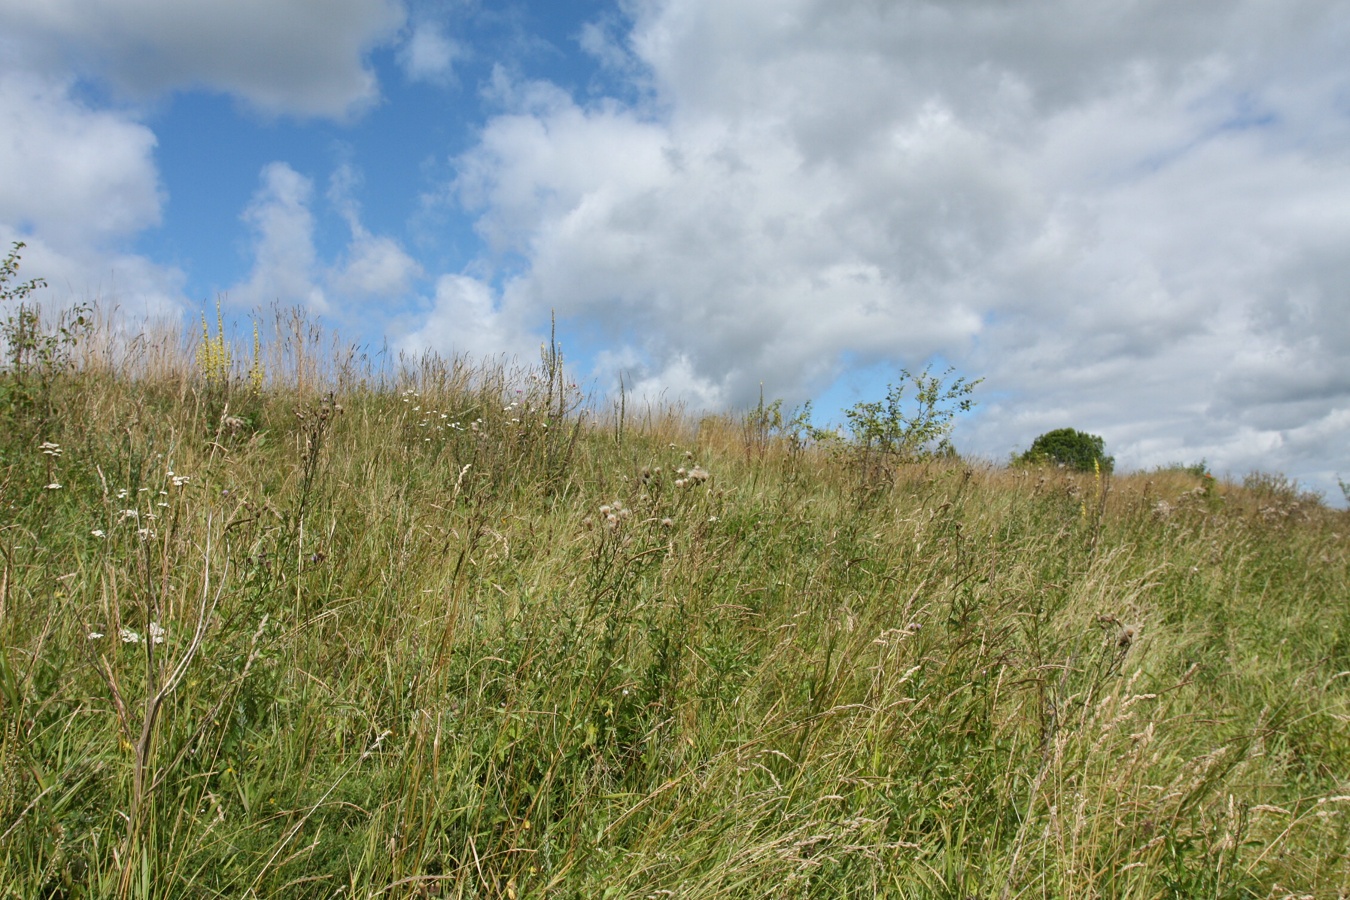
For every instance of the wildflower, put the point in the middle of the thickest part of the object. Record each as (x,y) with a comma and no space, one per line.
(95,635)
(122,494)
(99,532)
(50,449)
(128,636)
(131,514)
(667,523)
(698,475)
(157,633)
(54,486)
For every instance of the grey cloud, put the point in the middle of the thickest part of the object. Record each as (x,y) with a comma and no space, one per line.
(281,56)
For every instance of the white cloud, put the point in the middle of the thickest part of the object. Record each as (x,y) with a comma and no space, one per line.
(281,56)
(1124,215)
(465,319)
(126,286)
(285,266)
(372,266)
(428,55)
(79,183)
(73,174)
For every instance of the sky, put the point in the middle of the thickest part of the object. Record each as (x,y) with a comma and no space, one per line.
(1129,217)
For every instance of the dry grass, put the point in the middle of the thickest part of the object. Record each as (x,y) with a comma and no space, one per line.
(447,630)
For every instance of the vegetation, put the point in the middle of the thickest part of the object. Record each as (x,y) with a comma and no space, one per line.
(1070,448)
(450,632)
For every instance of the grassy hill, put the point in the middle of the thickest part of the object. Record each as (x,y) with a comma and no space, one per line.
(446,633)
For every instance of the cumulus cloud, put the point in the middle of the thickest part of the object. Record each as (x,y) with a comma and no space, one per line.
(78,184)
(74,174)
(1122,214)
(372,266)
(281,56)
(81,181)
(287,267)
(465,318)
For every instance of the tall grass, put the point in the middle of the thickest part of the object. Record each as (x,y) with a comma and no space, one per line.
(451,631)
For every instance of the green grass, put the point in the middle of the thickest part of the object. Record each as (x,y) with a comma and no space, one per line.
(407,654)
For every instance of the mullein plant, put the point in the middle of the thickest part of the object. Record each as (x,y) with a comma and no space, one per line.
(214,360)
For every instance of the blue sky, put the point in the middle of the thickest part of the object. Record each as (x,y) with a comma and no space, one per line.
(1128,218)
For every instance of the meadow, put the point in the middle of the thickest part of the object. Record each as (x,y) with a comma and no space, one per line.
(284,624)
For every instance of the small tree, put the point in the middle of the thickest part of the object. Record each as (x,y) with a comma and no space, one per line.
(904,429)
(1070,448)
(33,355)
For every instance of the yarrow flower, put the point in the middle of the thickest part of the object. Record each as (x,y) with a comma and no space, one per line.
(54,486)
(50,449)
(99,532)
(128,636)
(95,635)
(157,633)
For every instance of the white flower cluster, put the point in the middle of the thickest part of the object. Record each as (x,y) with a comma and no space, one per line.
(156,635)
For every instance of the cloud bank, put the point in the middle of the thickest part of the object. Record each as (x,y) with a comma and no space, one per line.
(1125,216)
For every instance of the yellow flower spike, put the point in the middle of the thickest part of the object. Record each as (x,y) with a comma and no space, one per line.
(255,371)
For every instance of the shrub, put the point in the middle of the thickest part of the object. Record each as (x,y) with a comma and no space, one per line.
(1070,448)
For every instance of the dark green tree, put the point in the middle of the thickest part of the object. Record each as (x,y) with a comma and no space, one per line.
(1070,448)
